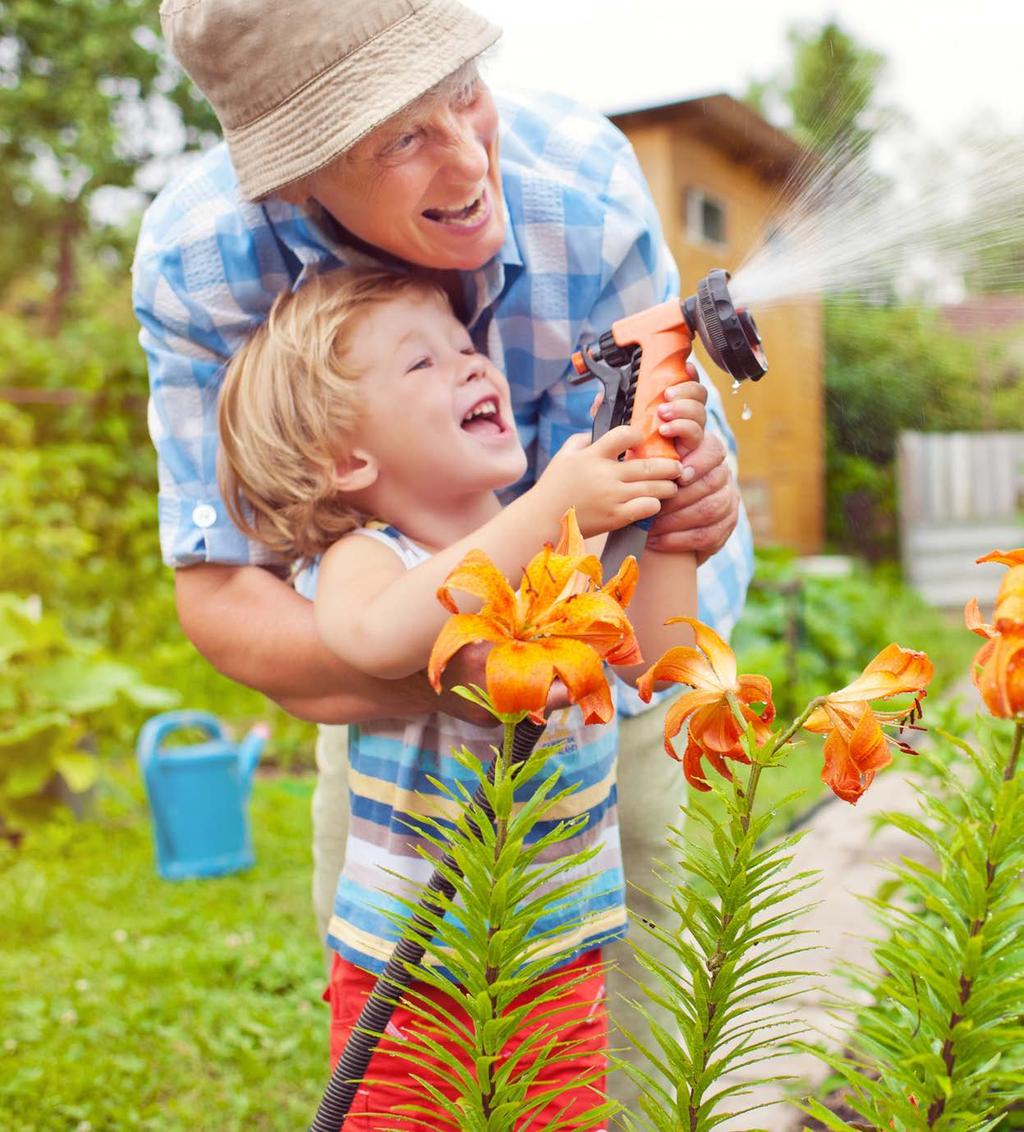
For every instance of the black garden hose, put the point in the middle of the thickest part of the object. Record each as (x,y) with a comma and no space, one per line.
(398,974)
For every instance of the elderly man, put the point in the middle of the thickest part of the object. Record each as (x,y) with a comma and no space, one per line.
(358,132)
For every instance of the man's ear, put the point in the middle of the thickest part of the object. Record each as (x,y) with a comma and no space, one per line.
(358,471)
(296,193)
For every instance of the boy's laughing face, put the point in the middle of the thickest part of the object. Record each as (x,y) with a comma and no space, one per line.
(437,416)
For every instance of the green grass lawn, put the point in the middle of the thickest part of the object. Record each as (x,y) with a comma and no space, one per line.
(133,1002)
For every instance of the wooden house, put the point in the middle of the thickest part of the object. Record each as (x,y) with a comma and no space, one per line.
(717,169)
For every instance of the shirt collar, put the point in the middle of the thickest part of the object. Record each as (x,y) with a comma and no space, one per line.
(487,284)
(481,288)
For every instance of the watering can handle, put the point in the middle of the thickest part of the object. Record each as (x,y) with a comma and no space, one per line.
(249,751)
(157,729)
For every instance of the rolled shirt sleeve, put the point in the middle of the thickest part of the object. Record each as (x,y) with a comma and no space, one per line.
(203,278)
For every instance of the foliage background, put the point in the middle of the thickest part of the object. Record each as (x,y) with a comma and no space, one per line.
(187,1007)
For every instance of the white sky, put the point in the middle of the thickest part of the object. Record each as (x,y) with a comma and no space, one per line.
(951,62)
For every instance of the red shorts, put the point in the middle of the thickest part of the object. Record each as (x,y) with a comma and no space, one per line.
(583,1022)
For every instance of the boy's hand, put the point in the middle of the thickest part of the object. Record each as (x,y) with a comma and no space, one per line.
(684,414)
(608,493)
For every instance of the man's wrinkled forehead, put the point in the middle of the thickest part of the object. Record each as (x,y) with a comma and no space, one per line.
(456,88)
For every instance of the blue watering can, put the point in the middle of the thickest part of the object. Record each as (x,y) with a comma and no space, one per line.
(199,794)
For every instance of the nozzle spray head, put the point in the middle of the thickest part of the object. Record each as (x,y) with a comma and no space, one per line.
(730,335)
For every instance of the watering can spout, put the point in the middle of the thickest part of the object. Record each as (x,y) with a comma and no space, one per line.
(249,751)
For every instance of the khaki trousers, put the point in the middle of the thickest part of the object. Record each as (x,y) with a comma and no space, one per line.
(651,790)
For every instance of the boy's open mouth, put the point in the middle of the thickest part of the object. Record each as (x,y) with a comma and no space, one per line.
(484,419)
(464,215)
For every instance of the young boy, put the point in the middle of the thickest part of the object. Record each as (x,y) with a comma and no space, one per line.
(362,433)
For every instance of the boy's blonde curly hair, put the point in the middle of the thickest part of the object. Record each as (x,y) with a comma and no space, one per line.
(290,407)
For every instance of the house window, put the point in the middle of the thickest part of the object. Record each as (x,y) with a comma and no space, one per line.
(705,218)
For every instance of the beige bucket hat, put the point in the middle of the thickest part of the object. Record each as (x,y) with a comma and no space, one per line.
(294,83)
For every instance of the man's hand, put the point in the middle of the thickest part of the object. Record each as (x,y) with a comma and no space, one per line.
(467,666)
(256,630)
(703,513)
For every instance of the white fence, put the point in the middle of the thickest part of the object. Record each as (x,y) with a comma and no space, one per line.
(961,495)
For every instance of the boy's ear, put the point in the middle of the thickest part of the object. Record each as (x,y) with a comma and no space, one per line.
(358,471)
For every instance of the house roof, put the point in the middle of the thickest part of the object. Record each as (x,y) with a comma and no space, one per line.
(984,313)
(732,126)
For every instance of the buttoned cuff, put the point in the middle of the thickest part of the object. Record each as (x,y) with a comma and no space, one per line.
(194,530)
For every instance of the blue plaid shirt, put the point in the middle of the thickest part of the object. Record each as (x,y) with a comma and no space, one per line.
(583,248)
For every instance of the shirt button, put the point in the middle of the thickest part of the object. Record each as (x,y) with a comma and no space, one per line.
(204,515)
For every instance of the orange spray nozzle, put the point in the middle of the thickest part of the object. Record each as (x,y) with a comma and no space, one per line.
(645,353)
(664,341)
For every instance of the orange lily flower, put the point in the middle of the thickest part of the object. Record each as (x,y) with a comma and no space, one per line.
(998,668)
(1009,612)
(714,731)
(560,622)
(856,747)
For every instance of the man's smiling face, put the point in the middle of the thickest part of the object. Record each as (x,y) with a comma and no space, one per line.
(427,186)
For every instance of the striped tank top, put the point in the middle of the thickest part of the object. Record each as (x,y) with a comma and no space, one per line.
(392,762)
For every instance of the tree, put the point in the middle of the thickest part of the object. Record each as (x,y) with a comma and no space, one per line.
(827,93)
(89,92)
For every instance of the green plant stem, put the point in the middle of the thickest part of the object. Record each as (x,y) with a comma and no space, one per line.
(746,796)
(795,726)
(757,765)
(948,1054)
(715,963)
(1011,765)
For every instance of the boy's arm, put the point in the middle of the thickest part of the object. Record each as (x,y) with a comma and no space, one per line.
(667,588)
(384,619)
(256,630)
(373,613)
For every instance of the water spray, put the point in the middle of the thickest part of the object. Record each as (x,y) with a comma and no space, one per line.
(842,228)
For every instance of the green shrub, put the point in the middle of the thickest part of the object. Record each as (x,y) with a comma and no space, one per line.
(940,1041)
(888,370)
(61,702)
(810,634)
(78,508)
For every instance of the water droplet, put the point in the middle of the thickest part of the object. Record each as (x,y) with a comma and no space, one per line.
(747,413)
(735,384)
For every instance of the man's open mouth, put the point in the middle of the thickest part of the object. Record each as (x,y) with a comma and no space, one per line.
(484,419)
(462,216)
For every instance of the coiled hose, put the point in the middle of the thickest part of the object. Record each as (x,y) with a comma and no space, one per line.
(397,975)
